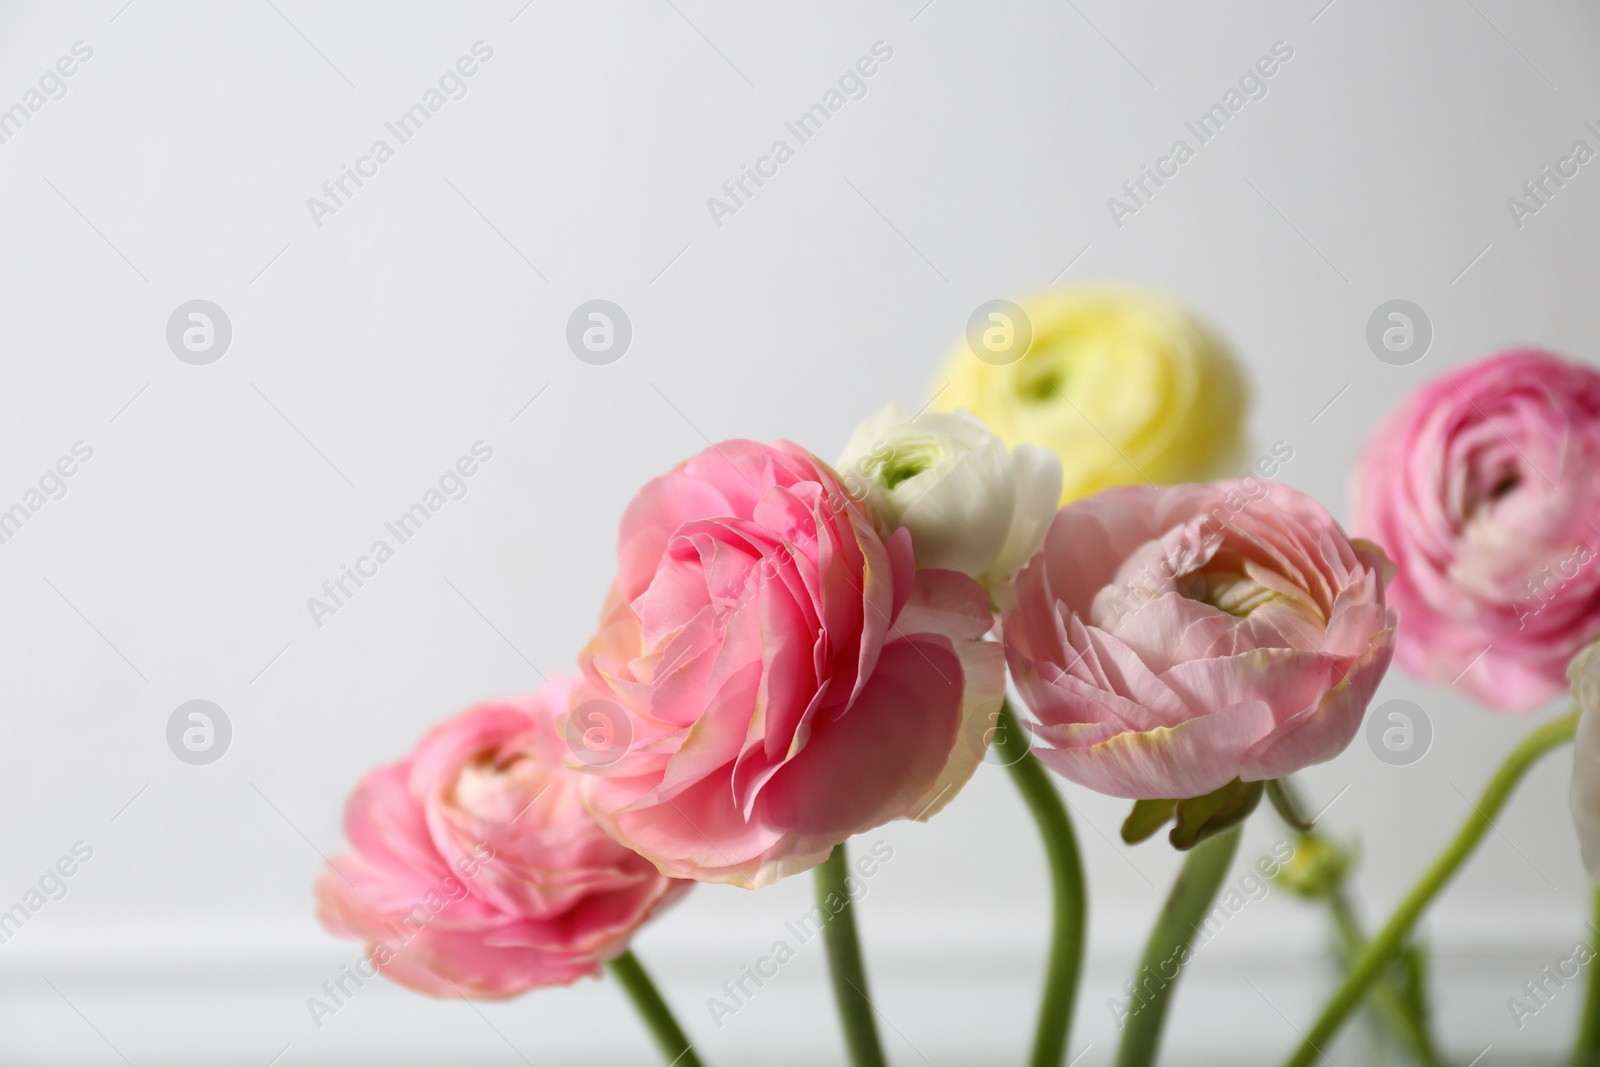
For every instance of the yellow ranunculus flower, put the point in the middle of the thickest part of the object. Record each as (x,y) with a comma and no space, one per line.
(1125,385)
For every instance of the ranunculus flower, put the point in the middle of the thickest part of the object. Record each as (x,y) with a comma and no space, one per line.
(789,679)
(1124,385)
(1170,640)
(1484,488)
(476,869)
(1585,795)
(971,504)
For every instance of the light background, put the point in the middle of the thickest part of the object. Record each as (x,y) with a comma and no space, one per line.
(370,352)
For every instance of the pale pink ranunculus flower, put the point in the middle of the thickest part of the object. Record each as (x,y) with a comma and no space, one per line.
(476,869)
(1171,639)
(787,677)
(1484,488)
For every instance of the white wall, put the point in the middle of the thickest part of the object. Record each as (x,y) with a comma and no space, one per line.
(369,352)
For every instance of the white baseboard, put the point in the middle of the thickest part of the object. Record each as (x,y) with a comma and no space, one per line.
(221,993)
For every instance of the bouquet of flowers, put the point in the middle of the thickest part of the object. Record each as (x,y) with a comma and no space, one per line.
(793,652)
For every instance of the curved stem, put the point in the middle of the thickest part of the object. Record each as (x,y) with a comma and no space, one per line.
(1167,951)
(1066,880)
(1387,999)
(1387,943)
(844,961)
(657,1016)
(1587,1052)
(1404,1016)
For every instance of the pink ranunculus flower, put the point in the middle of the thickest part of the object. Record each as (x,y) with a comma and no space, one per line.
(1170,640)
(477,871)
(1484,488)
(787,676)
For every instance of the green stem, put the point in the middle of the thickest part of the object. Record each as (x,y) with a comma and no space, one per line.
(1388,942)
(1168,947)
(1587,1053)
(1066,880)
(844,961)
(1400,1014)
(1386,999)
(657,1016)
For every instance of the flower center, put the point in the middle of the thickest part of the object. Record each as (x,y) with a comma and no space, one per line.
(498,786)
(1505,485)
(909,459)
(1040,380)
(1229,591)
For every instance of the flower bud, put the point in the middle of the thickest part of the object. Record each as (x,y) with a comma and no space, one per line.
(1317,867)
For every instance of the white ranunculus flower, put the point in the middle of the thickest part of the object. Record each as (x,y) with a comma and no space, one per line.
(970,504)
(1585,796)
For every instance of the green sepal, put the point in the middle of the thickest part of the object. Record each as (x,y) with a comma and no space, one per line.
(1146,818)
(1209,815)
